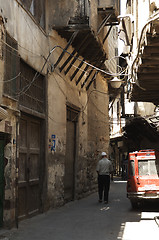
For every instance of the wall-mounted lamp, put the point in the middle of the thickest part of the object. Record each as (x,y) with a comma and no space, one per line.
(115,82)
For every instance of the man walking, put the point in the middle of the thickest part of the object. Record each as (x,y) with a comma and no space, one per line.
(104,169)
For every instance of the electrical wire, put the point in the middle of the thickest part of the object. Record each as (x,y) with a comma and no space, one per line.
(37,74)
(14,49)
(82,111)
(57,122)
(59,86)
(94,90)
(109,73)
(81,60)
(111,59)
(12,79)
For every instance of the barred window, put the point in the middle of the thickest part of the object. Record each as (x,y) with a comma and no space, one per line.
(22,82)
(31,88)
(11,66)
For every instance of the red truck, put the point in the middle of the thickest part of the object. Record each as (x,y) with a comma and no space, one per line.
(143,176)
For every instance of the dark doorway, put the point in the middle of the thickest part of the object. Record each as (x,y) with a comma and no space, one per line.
(29,167)
(71,130)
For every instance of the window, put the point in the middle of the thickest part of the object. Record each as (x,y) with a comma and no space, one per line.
(147,167)
(37,9)
(132,168)
(18,80)
(11,67)
(32,89)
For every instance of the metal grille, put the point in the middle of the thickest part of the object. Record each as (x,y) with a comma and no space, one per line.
(32,93)
(18,80)
(11,67)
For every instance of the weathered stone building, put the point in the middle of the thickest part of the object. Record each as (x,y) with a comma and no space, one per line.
(138,103)
(143,38)
(54,101)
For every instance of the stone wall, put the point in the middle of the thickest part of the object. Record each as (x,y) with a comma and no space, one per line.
(93,123)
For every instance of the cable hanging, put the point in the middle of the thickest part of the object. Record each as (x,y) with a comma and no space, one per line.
(37,74)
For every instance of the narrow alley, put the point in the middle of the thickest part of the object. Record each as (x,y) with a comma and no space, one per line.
(87,219)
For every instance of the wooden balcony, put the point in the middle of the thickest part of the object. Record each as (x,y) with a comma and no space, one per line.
(79,22)
(148,70)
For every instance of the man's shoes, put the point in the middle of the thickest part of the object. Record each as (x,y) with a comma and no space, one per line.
(99,201)
(105,202)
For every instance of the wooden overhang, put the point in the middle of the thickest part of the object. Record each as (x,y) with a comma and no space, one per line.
(86,44)
(86,48)
(147,87)
(90,49)
(138,128)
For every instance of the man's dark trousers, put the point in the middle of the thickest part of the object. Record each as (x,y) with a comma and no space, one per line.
(103,185)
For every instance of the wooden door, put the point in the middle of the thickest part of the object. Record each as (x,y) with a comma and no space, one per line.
(29,167)
(69,162)
(69,178)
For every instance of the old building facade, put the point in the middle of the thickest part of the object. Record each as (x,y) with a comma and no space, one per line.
(54,101)
(138,98)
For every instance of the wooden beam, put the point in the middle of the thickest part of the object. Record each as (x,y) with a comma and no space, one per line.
(67,46)
(82,74)
(73,61)
(82,85)
(78,68)
(75,51)
(92,80)
(67,61)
